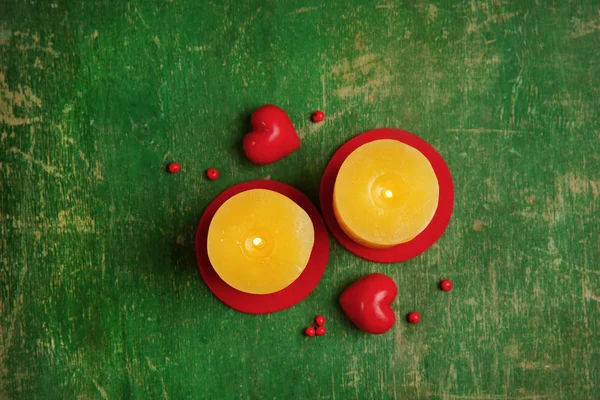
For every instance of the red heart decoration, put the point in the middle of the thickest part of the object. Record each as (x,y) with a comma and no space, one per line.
(273,138)
(368,303)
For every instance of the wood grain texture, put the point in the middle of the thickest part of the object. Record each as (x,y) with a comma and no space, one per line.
(99,292)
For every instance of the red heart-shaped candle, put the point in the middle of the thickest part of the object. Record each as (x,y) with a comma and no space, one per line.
(368,303)
(273,138)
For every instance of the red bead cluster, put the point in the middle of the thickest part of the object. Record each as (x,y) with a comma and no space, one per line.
(318,328)
(415,317)
(211,173)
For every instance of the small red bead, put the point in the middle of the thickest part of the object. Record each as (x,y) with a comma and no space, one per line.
(320,331)
(310,331)
(318,116)
(174,168)
(446,285)
(212,174)
(320,320)
(413,317)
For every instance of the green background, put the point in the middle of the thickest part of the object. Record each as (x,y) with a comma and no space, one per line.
(99,292)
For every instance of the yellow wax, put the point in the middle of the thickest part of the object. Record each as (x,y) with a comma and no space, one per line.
(386,193)
(259,241)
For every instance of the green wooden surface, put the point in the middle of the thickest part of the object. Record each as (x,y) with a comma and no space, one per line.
(99,293)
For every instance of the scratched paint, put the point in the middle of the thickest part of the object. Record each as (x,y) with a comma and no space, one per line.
(99,294)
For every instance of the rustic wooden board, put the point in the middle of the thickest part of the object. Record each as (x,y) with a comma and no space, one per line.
(99,292)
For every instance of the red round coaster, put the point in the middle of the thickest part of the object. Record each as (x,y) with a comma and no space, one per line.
(285,298)
(423,240)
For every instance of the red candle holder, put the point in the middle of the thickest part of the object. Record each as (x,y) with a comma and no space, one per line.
(285,298)
(423,240)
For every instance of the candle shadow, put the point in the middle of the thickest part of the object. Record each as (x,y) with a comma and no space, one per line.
(242,128)
(344,284)
(306,184)
(183,250)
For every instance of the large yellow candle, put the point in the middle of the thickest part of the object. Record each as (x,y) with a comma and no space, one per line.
(260,241)
(385,193)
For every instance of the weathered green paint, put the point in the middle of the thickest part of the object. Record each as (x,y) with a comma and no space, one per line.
(99,293)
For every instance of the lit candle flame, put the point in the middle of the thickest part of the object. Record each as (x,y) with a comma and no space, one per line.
(258,242)
(388,193)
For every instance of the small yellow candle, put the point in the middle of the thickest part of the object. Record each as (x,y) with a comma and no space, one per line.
(385,193)
(260,241)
